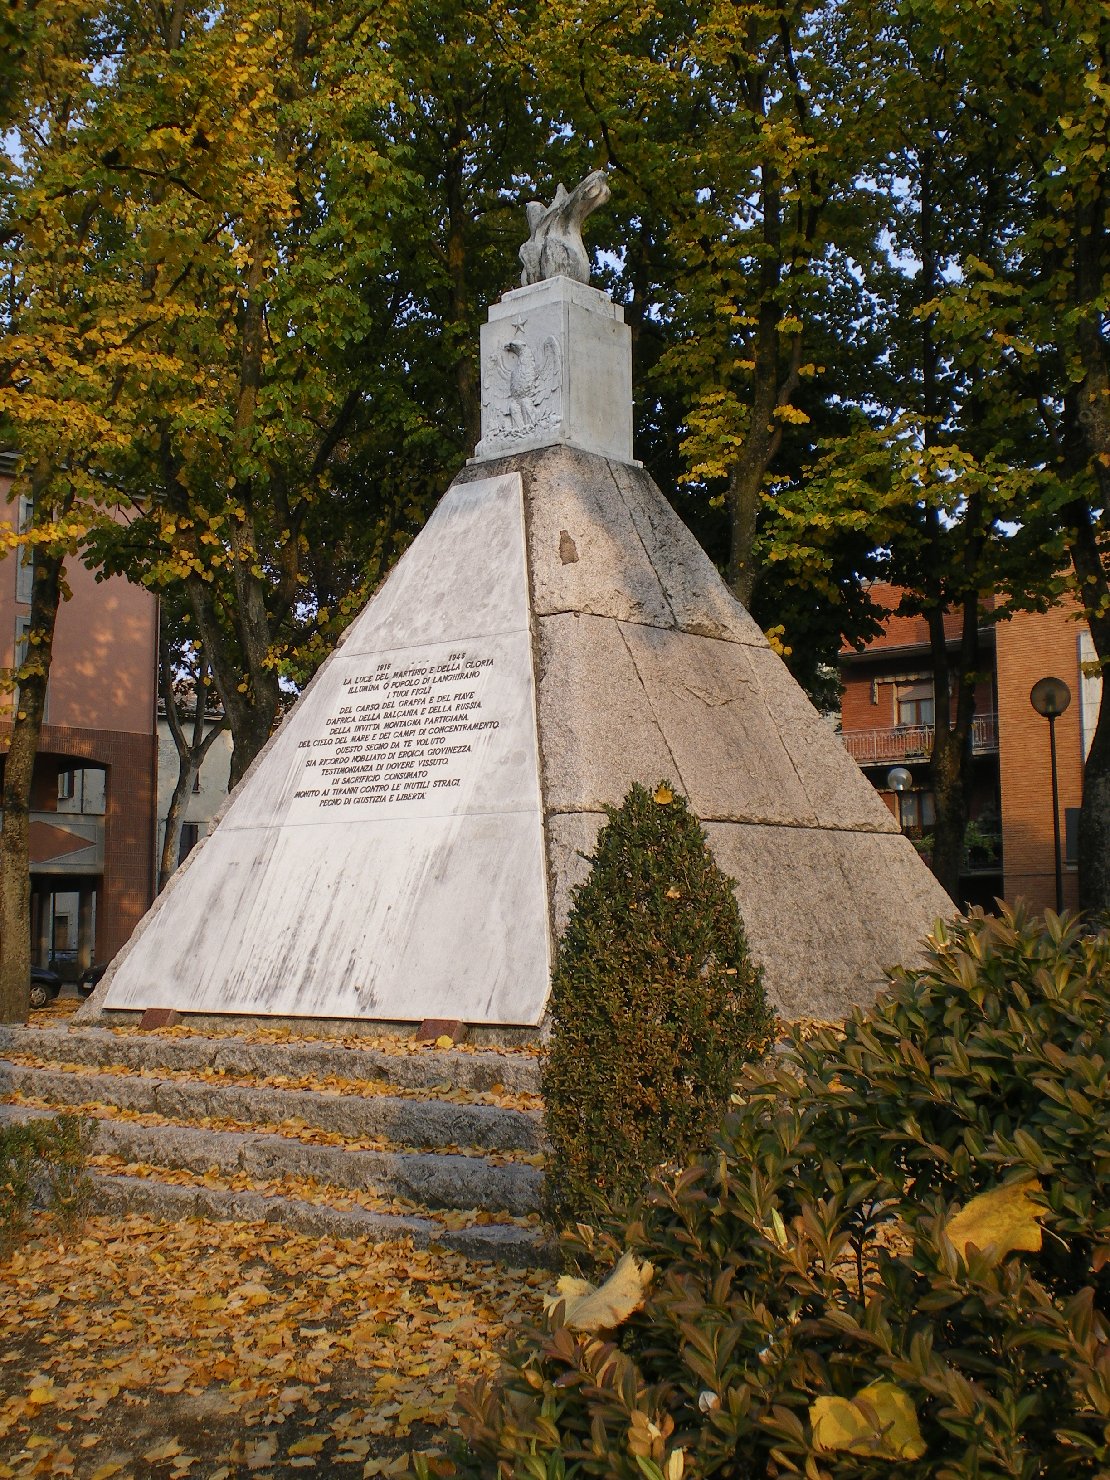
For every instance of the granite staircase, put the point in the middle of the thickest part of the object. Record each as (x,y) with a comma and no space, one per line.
(378,1139)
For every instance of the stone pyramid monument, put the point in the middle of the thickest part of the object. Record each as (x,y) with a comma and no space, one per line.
(406,845)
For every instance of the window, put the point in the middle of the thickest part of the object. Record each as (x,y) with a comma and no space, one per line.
(25,557)
(22,640)
(917,811)
(1071,836)
(915,704)
(24,574)
(190,835)
(82,789)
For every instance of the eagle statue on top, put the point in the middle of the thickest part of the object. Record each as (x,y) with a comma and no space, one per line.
(554,247)
(522,384)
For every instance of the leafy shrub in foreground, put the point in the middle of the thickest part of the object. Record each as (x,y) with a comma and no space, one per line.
(818,1307)
(655,1007)
(42,1160)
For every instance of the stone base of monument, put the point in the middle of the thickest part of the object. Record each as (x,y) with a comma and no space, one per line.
(320,1136)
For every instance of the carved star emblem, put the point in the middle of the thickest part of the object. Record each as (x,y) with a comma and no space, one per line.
(519,327)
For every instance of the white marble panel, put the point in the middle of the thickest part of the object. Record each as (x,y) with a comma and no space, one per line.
(463,577)
(390,919)
(437,730)
(384,857)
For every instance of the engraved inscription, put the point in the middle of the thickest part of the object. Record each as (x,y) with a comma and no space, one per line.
(403,733)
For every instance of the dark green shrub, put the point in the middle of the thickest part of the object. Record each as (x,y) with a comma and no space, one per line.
(655,1007)
(42,1161)
(812,1253)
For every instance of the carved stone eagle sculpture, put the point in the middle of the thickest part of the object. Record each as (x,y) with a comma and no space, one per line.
(554,247)
(527,390)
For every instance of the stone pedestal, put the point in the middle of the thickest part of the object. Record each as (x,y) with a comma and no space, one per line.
(556,370)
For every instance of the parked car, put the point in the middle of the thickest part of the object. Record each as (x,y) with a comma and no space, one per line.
(45,985)
(89,979)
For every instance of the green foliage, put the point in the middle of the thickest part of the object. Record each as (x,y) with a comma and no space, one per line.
(42,1159)
(900,1248)
(655,1005)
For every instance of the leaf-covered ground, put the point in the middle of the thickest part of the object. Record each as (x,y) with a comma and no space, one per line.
(208,1351)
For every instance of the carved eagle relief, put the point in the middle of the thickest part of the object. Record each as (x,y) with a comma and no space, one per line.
(524,389)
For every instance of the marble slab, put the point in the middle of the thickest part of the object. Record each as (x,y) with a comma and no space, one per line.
(384,858)
(556,369)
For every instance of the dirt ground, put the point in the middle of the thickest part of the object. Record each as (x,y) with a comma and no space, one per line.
(204,1350)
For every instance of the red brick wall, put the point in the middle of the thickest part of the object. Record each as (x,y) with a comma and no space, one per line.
(126,890)
(859,712)
(1033,646)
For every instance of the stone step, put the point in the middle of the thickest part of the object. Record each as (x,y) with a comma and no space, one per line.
(411,1123)
(506,1243)
(424,1069)
(434,1179)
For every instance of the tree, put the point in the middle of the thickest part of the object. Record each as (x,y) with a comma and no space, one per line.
(942,476)
(63,354)
(1027,315)
(314,214)
(726,127)
(1052,85)
(194,724)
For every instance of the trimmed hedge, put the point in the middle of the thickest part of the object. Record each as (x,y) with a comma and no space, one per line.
(847,1285)
(655,1007)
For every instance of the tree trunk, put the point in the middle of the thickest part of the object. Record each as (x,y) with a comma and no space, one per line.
(772,386)
(946,771)
(466,378)
(250,712)
(15,869)
(1087,556)
(1094,821)
(175,819)
(1094,818)
(190,757)
(745,481)
(950,761)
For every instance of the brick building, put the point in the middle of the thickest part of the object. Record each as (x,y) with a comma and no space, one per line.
(887,710)
(93,806)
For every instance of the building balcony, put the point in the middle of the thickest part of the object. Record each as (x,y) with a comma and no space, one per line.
(982,852)
(912,742)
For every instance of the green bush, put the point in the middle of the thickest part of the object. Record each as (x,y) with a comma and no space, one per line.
(819,1306)
(655,1007)
(42,1161)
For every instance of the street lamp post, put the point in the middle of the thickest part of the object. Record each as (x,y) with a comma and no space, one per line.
(1050,697)
(899,779)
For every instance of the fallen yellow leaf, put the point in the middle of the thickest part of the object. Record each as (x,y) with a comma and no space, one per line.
(310,1444)
(162,1452)
(999,1221)
(880,1422)
(105,1471)
(603,1307)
